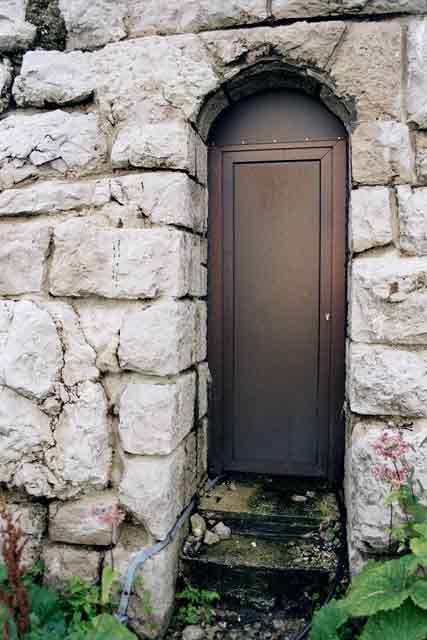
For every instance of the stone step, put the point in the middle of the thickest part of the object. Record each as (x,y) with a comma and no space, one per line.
(261,573)
(268,508)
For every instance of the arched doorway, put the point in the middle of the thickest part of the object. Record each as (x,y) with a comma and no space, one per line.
(277,164)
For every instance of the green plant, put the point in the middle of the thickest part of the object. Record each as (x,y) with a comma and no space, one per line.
(196,605)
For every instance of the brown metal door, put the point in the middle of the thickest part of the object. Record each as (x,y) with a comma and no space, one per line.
(277,307)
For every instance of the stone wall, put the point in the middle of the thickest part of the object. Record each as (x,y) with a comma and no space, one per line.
(103,218)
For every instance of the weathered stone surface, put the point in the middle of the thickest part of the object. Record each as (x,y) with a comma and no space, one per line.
(312,8)
(190,467)
(54,77)
(79,356)
(30,350)
(25,432)
(77,522)
(122,263)
(371,218)
(15,32)
(368,515)
(158,579)
(32,519)
(91,25)
(175,16)
(389,300)
(413,220)
(367,68)
(82,456)
(54,197)
(417,73)
(164,145)
(198,525)
(154,418)
(202,451)
(152,490)
(421,156)
(388,380)
(6,76)
(62,563)
(381,153)
(203,378)
(162,339)
(51,143)
(23,251)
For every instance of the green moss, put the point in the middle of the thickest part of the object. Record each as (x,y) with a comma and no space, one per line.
(46,16)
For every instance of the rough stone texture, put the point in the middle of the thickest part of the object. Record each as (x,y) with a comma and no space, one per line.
(25,432)
(417,73)
(158,575)
(204,379)
(6,75)
(15,33)
(202,451)
(54,197)
(381,153)
(118,263)
(421,156)
(77,522)
(386,380)
(32,519)
(312,8)
(62,563)
(163,339)
(30,350)
(152,490)
(154,418)
(413,220)
(368,515)
(367,66)
(91,25)
(45,15)
(389,300)
(52,143)
(190,467)
(82,435)
(175,16)
(23,251)
(371,218)
(53,77)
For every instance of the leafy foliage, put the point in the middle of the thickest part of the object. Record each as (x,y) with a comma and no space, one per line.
(196,605)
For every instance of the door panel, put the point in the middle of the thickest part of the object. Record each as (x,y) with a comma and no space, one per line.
(271,299)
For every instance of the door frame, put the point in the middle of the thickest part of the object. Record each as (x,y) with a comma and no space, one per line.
(336,152)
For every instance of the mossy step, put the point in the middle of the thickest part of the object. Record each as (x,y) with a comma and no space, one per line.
(269,508)
(243,567)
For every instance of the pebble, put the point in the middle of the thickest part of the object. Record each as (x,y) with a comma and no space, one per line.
(193,632)
(222,531)
(297,498)
(211,538)
(198,526)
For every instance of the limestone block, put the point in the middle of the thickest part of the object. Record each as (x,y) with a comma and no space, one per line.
(175,16)
(371,218)
(368,515)
(120,263)
(62,563)
(201,346)
(388,380)
(25,430)
(413,220)
(287,9)
(163,145)
(82,456)
(202,451)
(77,522)
(15,33)
(23,252)
(421,156)
(204,379)
(162,339)
(54,197)
(417,73)
(30,350)
(79,356)
(152,490)
(154,418)
(6,75)
(93,24)
(54,77)
(37,479)
(381,153)
(51,143)
(32,519)
(190,469)
(389,300)
(367,68)
(158,575)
